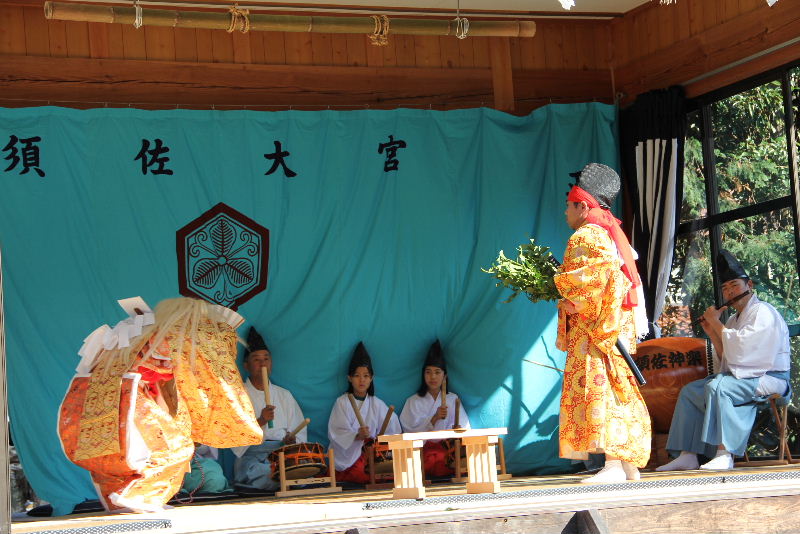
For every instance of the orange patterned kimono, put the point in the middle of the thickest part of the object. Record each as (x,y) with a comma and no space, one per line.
(133,421)
(601,407)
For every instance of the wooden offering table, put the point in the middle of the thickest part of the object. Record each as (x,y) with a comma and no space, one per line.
(481,459)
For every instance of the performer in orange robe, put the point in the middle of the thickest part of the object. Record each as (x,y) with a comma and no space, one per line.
(131,415)
(602,410)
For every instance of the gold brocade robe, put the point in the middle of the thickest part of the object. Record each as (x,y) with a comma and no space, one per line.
(601,407)
(137,446)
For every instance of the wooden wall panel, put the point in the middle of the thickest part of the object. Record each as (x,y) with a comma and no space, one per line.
(99,45)
(186,44)
(298,48)
(78,39)
(205,45)
(241,47)
(426,51)
(356,50)
(682,21)
(37,40)
(257,48)
(374,54)
(515,52)
(481,52)
(116,49)
(221,46)
(338,44)
(466,53)
(159,43)
(274,48)
(450,55)
(552,35)
(404,50)
(586,44)
(133,42)
(389,53)
(12,30)
(570,48)
(57,34)
(604,47)
(322,50)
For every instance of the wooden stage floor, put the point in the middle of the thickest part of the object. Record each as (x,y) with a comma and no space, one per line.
(762,499)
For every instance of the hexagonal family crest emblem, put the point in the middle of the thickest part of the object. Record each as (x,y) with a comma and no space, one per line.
(222,257)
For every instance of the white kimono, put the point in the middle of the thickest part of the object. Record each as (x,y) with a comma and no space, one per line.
(252,468)
(417,413)
(343,426)
(756,341)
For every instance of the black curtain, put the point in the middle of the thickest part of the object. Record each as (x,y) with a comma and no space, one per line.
(652,133)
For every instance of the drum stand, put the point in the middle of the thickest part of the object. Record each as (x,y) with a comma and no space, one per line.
(286,484)
(377,481)
(460,470)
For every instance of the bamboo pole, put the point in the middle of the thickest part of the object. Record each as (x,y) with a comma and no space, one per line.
(281,23)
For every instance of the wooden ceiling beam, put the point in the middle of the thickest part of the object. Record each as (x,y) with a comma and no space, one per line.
(33,80)
(502,77)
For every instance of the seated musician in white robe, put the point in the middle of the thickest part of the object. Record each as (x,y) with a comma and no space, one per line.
(252,468)
(714,416)
(424,412)
(347,435)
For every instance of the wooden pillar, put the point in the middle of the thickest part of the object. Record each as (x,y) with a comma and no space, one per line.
(408,476)
(482,464)
(5,470)
(502,79)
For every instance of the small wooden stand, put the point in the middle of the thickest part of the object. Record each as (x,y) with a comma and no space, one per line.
(286,484)
(504,475)
(377,481)
(460,470)
(481,460)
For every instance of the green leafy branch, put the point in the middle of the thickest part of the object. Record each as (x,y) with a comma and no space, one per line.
(531,273)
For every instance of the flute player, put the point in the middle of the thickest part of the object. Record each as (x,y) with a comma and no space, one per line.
(714,415)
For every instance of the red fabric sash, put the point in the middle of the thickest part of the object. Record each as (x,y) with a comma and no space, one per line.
(152,378)
(606,220)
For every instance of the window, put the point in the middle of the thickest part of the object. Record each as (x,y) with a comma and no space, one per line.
(749,136)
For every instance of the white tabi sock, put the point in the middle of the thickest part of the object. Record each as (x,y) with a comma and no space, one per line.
(722,461)
(610,474)
(687,461)
(631,472)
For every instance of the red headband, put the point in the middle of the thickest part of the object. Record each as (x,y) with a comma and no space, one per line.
(576,194)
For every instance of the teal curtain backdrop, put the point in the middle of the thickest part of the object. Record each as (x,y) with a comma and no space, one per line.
(357,253)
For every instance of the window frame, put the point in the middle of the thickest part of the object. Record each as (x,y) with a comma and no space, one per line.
(713,220)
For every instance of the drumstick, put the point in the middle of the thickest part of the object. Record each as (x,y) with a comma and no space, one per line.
(355,409)
(386,420)
(300,427)
(265,379)
(543,365)
(444,392)
(458,413)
